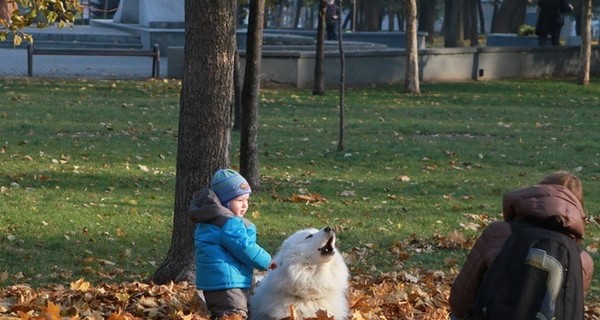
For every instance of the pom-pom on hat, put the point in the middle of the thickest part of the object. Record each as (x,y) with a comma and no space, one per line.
(228,184)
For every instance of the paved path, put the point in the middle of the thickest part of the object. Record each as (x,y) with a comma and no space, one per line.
(13,63)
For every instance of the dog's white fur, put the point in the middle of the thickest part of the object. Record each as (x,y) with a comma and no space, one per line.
(311,275)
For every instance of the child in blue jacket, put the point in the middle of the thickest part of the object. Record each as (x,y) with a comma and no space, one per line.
(226,248)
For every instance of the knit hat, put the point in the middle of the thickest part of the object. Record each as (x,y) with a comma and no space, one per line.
(228,184)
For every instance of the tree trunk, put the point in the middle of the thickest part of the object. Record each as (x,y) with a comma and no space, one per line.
(249,164)
(509,17)
(341,141)
(319,82)
(237,93)
(586,43)
(204,121)
(453,32)
(426,12)
(411,79)
(299,5)
(481,17)
(472,14)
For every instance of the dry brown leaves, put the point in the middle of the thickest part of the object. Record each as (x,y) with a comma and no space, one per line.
(422,294)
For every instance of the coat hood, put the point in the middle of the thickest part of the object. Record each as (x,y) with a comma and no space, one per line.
(541,202)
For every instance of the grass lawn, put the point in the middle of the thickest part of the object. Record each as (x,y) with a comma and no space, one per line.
(87,170)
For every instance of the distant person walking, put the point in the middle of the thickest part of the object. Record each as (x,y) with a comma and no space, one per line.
(551,17)
(332,14)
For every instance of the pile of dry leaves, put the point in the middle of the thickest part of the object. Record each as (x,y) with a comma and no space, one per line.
(391,296)
(394,296)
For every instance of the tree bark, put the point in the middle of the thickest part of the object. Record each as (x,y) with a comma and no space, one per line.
(249,162)
(426,12)
(204,122)
(586,43)
(319,82)
(341,141)
(453,32)
(509,17)
(237,93)
(411,79)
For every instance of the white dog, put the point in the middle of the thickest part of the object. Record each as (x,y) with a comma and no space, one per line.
(311,275)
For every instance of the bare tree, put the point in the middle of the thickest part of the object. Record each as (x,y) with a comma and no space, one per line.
(249,162)
(411,79)
(319,82)
(586,43)
(204,121)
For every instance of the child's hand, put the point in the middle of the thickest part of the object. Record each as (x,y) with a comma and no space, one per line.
(272,265)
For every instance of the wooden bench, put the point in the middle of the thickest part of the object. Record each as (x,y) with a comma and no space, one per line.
(155,54)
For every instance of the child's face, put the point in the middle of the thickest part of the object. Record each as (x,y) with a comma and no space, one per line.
(239,205)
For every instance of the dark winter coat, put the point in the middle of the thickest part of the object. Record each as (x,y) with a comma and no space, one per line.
(551,15)
(539,203)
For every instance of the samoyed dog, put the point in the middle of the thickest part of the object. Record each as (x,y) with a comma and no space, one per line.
(311,275)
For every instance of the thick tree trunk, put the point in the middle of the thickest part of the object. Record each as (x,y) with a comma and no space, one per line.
(411,79)
(453,32)
(204,121)
(509,17)
(426,12)
(319,82)
(249,164)
(586,43)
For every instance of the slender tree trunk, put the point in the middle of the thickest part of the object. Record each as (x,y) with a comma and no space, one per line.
(481,17)
(249,160)
(204,122)
(411,79)
(237,93)
(586,43)
(473,34)
(341,142)
(319,82)
(299,5)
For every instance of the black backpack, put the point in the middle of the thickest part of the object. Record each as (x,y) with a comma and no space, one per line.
(536,275)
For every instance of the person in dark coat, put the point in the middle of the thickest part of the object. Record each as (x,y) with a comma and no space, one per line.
(551,18)
(559,196)
(332,14)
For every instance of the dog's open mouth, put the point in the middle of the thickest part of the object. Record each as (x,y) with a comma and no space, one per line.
(328,248)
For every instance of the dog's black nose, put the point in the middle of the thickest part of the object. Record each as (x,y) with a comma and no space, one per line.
(327,229)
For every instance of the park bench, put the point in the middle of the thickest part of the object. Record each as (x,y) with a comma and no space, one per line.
(154,53)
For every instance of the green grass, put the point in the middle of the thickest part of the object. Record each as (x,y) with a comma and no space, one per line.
(87,169)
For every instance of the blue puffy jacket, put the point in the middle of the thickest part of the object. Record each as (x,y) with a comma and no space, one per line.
(226,248)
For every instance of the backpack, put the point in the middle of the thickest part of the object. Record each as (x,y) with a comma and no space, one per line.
(536,275)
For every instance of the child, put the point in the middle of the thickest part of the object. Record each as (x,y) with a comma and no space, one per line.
(556,203)
(226,248)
